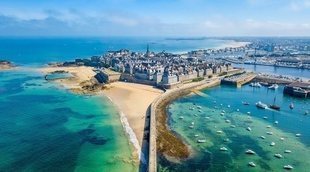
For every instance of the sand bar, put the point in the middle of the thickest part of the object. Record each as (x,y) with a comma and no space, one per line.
(80,74)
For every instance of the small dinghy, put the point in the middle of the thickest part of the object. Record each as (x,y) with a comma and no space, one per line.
(288,167)
(252,164)
(250,152)
(277,155)
(201,141)
(223,149)
(287,151)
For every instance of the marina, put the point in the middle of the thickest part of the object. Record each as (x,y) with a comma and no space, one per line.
(260,135)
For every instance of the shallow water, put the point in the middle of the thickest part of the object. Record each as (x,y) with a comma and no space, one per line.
(208,157)
(46,128)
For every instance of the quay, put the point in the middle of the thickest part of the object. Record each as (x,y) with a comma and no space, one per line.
(238,79)
(298,89)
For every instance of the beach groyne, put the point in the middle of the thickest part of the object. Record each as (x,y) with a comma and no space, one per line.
(161,138)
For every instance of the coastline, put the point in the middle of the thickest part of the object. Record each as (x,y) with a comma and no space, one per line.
(131,106)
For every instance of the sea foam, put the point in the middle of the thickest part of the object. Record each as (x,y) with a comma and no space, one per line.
(132,137)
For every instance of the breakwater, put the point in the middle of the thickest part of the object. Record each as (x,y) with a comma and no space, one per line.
(161,138)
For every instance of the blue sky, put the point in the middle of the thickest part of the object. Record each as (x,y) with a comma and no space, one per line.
(155,17)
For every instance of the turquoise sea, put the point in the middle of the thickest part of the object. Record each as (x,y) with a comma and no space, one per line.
(220,118)
(46,128)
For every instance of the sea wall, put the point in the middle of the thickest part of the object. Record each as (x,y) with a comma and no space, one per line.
(272,80)
(159,105)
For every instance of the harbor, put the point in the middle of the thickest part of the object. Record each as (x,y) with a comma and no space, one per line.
(224,127)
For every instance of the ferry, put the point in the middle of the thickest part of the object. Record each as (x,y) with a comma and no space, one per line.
(261,105)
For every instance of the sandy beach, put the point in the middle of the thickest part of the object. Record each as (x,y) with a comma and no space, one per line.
(133,100)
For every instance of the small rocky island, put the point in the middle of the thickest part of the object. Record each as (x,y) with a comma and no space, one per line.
(5,65)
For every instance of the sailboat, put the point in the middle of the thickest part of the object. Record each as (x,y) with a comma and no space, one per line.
(274,106)
(291,106)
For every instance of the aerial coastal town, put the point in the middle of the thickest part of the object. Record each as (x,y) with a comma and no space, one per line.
(168,70)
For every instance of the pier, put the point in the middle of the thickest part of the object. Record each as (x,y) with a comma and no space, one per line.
(239,79)
(170,95)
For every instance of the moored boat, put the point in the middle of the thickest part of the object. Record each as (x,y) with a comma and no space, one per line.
(223,149)
(250,152)
(274,86)
(201,141)
(277,155)
(261,105)
(245,103)
(288,167)
(255,84)
(252,164)
(274,106)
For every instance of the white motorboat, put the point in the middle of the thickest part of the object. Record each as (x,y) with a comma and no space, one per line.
(274,86)
(277,155)
(298,135)
(272,143)
(250,152)
(261,105)
(262,137)
(201,141)
(223,149)
(287,151)
(252,164)
(288,167)
(255,84)
(249,129)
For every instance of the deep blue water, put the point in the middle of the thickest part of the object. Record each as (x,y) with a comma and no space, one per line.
(43,50)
